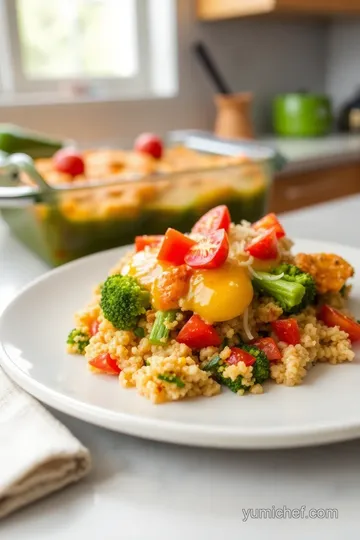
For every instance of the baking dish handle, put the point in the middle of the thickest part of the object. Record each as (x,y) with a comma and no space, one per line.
(18,196)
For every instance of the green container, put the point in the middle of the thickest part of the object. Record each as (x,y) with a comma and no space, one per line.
(302,115)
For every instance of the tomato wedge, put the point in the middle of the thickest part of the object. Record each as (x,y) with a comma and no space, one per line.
(270,221)
(197,334)
(287,330)
(268,346)
(332,317)
(152,241)
(209,253)
(264,247)
(104,362)
(94,328)
(174,247)
(238,355)
(215,219)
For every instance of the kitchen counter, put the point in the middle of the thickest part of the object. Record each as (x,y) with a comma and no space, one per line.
(309,154)
(141,489)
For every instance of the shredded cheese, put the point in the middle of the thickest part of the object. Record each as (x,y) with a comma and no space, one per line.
(246,324)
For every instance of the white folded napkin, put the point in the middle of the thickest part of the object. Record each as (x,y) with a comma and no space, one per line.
(38,455)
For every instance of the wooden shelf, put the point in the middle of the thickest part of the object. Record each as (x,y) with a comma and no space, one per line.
(228,9)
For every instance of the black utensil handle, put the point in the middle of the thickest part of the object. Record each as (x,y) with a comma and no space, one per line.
(212,70)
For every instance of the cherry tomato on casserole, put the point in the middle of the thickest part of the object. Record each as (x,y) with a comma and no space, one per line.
(238,355)
(152,241)
(197,334)
(209,253)
(215,219)
(268,346)
(69,161)
(174,247)
(270,221)
(264,247)
(148,143)
(287,330)
(332,317)
(104,362)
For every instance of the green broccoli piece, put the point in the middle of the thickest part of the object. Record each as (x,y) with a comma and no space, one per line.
(139,332)
(171,378)
(293,292)
(123,300)
(159,334)
(261,368)
(79,340)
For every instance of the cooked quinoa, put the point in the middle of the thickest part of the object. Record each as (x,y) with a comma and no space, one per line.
(280,322)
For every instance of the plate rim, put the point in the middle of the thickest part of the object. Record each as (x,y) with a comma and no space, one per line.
(167,430)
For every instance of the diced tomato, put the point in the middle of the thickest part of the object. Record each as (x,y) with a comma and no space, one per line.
(269,347)
(215,219)
(152,241)
(264,247)
(287,330)
(270,221)
(148,143)
(209,253)
(104,362)
(69,161)
(94,328)
(332,317)
(174,247)
(197,334)
(238,355)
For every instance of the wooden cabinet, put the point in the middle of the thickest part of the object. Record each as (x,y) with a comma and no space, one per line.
(297,190)
(226,9)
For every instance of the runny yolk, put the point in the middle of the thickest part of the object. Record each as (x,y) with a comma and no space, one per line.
(144,266)
(220,294)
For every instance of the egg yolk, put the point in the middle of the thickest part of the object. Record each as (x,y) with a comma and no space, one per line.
(220,294)
(144,266)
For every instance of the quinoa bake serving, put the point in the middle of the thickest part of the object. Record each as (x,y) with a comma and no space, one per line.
(226,305)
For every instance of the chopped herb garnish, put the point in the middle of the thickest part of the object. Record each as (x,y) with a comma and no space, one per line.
(171,378)
(139,332)
(212,364)
(224,344)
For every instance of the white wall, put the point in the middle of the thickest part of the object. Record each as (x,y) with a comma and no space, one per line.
(263,55)
(343,68)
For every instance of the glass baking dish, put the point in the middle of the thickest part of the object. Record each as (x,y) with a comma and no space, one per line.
(67,222)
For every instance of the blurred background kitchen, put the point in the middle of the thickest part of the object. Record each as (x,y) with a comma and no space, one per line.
(100,72)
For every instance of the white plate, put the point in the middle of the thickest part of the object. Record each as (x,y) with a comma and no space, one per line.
(33,330)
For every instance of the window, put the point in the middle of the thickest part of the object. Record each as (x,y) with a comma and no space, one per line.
(97,49)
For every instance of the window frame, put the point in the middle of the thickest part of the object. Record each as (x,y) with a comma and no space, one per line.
(14,80)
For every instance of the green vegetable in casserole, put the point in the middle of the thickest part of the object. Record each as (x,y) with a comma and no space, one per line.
(79,340)
(159,334)
(294,291)
(171,378)
(123,300)
(261,368)
(139,332)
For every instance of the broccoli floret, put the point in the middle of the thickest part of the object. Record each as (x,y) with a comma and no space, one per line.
(123,300)
(78,341)
(261,368)
(293,291)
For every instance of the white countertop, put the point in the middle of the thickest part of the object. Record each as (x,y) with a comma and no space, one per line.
(303,154)
(145,490)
